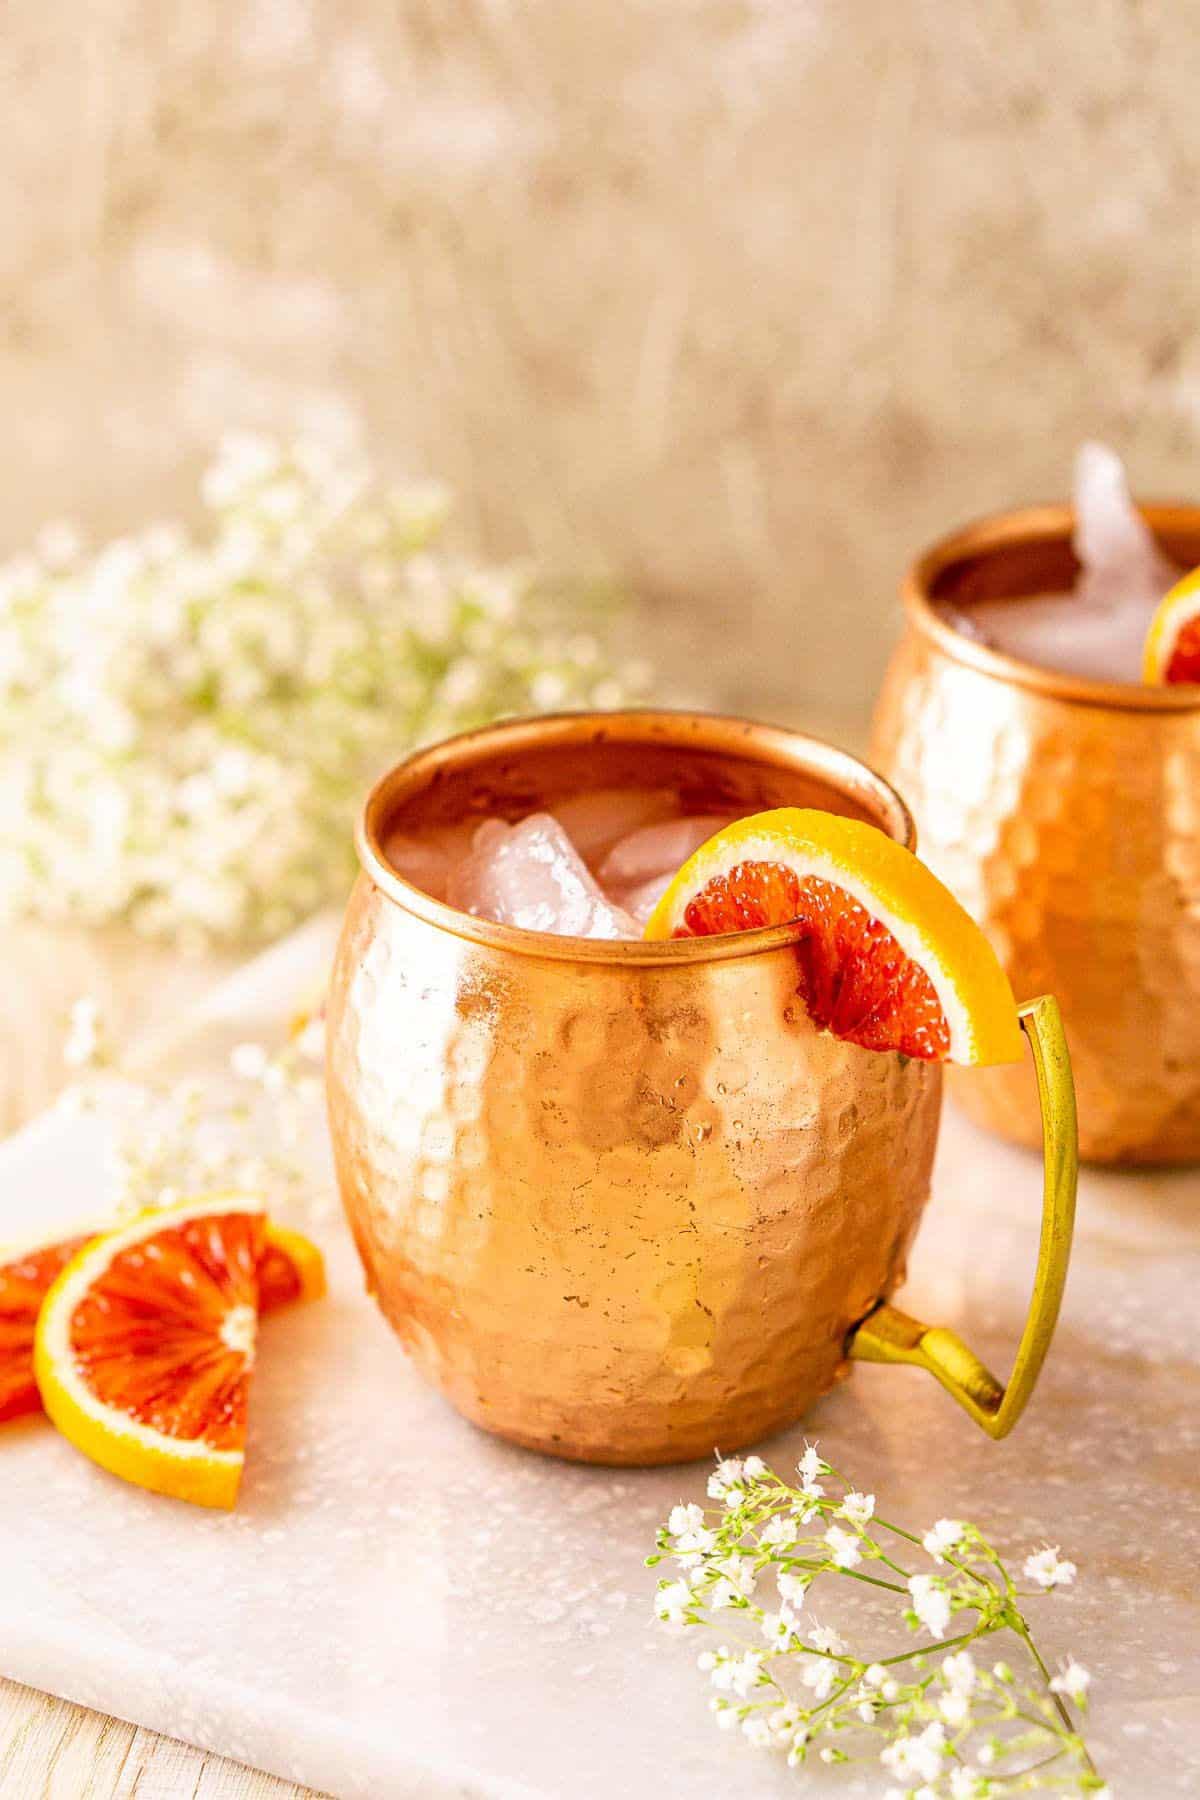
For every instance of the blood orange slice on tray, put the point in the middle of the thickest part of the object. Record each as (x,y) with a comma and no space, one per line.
(25,1279)
(290,1270)
(145,1342)
(1172,653)
(887,957)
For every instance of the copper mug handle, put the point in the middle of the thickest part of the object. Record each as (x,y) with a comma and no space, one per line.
(890,1336)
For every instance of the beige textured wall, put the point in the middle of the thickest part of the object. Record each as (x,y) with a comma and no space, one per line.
(746,296)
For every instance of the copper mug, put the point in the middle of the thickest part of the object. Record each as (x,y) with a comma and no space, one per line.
(623,1202)
(1065,814)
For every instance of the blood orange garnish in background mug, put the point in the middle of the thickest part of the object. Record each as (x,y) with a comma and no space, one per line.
(888,958)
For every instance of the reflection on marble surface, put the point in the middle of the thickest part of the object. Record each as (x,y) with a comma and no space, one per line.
(403,1606)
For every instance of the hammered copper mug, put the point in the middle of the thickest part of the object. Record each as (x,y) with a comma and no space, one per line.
(1065,815)
(623,1202)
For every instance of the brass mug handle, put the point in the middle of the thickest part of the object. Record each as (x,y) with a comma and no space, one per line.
(890,1336)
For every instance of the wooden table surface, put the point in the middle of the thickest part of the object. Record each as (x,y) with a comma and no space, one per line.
(51,1749)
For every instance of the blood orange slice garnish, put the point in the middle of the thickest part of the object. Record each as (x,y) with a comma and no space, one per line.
(290,1270)
(886,956)
(1172,653)
(145,1342)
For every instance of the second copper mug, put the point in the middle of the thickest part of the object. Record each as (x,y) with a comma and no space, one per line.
(1065,815)
(623,1202)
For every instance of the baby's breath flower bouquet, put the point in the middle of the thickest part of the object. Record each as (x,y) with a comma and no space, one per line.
(188,717)
(944,1723)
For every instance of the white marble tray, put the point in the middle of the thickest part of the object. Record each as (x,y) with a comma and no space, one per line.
(403,1607)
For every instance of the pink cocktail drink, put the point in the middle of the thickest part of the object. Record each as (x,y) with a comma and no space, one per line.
(593,866)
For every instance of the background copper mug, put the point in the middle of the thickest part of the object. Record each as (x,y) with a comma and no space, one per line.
(1065,814)
(623,1202)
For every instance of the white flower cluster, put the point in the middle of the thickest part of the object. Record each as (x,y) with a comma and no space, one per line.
(261,1129)
(187,717)
(952,1729)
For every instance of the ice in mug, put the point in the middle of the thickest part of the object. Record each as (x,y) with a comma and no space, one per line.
(594,867)
(1098,630)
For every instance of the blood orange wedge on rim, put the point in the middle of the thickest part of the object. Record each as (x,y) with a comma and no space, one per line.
(887,957)
(145,1342)
(291,1270)
(1172,652)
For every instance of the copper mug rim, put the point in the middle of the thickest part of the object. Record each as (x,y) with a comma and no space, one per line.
(1053,525)
(778,745)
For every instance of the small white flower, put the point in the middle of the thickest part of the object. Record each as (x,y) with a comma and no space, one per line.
(875,1675)
(779,1628)
(942,1537)
(754,1468)
(706,1660)
(809,1467)
(741,1672)
(965,1784)
(828,1755)
(796,1753)
(684,1518)
(672,1601)
(890,1691)
(919,1758)
(757,1731)
(693,1540)
(740,1571)
(844,1548)
(691,1547)
(778,1533)
(793,1588)
(931,1603)
(725,1478)
(954,1708)
(858,1508)
(866,1711)
(959,1672)
(1073,1680)
(249,1062)
(1047,1568)
(819,1674)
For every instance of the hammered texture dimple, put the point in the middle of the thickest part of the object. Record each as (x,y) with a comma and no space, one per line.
(1071,831)
(623,1213)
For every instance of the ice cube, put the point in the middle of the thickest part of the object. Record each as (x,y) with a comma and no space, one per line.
(1097,630)
(427,855)
(531,875)
(657,849)
(596,817)
(1122,564)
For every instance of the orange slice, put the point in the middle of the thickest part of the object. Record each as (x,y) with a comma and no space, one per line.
(1172,652)
(145,1342)
(887,957)
(25,1279)
(290,1270)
